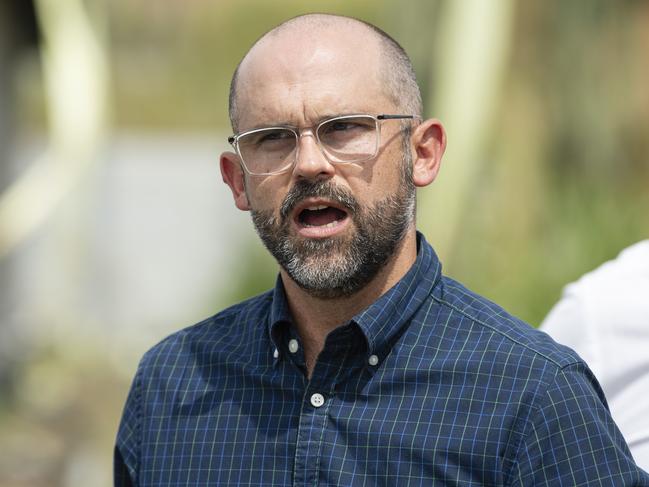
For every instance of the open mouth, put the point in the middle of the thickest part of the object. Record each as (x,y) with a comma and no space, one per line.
(321,216)
(320,219)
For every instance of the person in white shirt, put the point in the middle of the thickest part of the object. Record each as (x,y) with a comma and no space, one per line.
(604,317)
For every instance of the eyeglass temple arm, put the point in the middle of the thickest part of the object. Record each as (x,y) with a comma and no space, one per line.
(393,117)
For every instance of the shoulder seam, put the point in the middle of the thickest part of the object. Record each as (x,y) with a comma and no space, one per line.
(492,328)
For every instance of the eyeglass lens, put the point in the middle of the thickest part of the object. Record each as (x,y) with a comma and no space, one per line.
(344,139)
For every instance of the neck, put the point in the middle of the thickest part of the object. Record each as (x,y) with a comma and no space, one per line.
(316,317)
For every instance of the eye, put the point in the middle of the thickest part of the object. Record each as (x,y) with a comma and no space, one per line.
(344,129)
(273,135)
(344,126)
(341,126)
(268,139)
(350,125)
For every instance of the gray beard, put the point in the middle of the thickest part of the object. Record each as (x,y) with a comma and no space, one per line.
(334,267)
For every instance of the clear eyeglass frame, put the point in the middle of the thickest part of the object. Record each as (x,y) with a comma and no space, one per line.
(315,129)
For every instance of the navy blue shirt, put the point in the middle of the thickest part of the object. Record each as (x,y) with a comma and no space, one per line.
(430,385)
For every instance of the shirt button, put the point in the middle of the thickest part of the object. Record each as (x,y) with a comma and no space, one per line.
(292,345)
(276,353)
(373,360)
(317,400)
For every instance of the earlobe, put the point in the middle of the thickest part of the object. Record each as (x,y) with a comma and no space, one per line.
(429,143)
(234,177)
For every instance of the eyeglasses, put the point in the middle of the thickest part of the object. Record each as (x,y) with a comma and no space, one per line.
(344,139)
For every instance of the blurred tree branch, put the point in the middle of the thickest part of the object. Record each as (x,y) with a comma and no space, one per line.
(473,48)
(76,85)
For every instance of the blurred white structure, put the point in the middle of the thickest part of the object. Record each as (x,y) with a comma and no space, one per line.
(162,240)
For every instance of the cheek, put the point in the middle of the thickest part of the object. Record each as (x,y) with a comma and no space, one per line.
(369,193)
(384,179)
(264,196)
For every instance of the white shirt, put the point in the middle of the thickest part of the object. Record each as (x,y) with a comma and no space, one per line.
(604,316)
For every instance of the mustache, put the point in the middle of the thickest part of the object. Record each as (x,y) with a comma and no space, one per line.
(317,189)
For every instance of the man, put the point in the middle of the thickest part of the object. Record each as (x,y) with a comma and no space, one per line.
(364,366)
(604,316)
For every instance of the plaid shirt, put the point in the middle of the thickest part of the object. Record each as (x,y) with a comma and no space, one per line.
(430,385)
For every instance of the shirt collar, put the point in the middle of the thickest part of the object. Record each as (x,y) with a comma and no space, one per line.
(384,320)
(279,311)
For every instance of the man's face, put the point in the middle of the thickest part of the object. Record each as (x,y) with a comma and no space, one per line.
(340,265)
(331,227)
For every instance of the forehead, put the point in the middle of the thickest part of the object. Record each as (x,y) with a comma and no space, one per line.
(302,75)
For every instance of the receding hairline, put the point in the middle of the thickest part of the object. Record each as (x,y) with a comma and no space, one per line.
(314,20)
(396,68)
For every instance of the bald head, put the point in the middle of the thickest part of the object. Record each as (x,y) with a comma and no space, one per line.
(301,35)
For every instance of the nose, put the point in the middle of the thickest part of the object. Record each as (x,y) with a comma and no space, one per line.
(311,162)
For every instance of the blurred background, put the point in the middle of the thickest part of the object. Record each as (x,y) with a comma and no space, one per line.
(116,230)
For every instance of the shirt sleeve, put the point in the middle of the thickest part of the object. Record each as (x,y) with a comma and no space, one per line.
(571,439)
(127,448)
(570,324)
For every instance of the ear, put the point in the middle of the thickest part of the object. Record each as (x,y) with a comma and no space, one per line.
(233,176)
(429,142)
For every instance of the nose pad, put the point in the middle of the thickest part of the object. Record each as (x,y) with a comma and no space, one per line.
(310,158)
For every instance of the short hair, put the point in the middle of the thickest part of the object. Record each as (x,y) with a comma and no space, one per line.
(399,78)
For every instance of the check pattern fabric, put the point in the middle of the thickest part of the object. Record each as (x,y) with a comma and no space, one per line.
(431,385)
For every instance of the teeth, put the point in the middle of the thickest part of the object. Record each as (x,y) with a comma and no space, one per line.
(328,225)
(319,207)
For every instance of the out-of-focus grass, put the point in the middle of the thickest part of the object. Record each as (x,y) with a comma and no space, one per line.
(58,427)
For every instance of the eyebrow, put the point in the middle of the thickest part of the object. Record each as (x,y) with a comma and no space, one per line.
(319,120)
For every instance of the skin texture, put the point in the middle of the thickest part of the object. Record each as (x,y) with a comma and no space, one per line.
(298,76)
